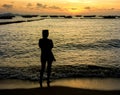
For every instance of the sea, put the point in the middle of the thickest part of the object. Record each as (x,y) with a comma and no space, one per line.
(82,48)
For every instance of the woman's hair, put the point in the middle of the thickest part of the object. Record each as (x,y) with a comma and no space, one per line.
(45,33)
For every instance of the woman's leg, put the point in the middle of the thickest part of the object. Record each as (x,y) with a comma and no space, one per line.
(42,72)
(49,72)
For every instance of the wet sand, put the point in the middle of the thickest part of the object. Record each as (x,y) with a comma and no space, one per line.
(62,87)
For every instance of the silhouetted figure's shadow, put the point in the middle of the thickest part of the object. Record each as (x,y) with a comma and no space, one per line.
(47,56)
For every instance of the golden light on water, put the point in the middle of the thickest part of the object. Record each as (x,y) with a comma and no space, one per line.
(100,84)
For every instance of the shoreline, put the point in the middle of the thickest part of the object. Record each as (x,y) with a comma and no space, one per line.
(19,21)
(106,84)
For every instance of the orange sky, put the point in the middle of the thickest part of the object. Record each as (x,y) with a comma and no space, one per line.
(72,7)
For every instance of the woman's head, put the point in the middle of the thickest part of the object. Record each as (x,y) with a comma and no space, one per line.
(45,33)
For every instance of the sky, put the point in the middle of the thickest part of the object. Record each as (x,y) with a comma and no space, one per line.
(61,7)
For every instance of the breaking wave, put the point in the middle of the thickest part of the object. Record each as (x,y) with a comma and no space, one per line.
(61,71)
(105,44)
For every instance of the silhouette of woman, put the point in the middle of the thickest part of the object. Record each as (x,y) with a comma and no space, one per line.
(47,56)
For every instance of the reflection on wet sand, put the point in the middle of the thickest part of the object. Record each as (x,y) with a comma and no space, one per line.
(84,83)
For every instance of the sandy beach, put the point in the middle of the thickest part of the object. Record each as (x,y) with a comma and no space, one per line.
(57,90)
(60,87)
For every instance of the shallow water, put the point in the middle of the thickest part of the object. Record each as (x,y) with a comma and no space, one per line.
(84,83)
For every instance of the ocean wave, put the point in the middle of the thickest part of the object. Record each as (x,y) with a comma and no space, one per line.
(105,44)
(62,71)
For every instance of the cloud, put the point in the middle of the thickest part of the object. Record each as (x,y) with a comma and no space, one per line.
(73,8)
(29,5)
(7,6)
(87,8)
(112,9)
(54,7)
(43,6)
(39,5)
(12,2)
